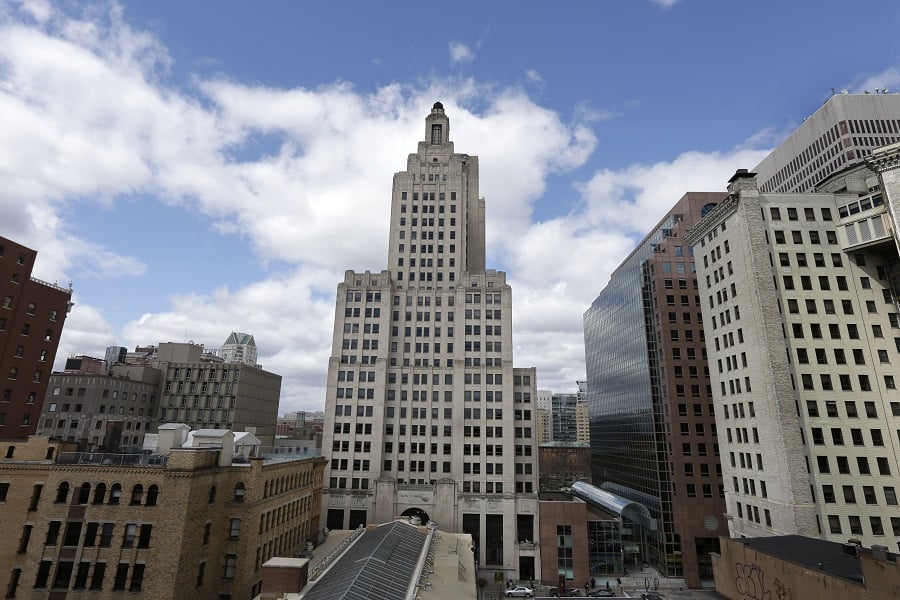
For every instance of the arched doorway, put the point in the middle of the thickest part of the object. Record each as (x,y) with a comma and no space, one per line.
(416,512)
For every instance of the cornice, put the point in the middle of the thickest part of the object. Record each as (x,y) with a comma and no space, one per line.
(724,209)
(885,159)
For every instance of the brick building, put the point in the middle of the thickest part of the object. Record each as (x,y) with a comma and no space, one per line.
(186,523)
(32,314)
(587,539)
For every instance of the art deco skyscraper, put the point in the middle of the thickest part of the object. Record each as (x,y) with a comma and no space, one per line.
(425,414)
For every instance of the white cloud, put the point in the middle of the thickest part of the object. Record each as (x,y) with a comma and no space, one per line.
(561,264)
(888,79)
(85,118)
(460,52)
(665,3)
(534,77)
(86,331)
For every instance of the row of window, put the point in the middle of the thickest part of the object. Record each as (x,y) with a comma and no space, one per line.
(793,215)
(14,375)
(95,535)
(843,465)
(20,353)
(706,489)
(429,196)
(425,249)
(687,449)
(850,409)
(427,235)
(868,494)
(855,525)
(357,296)
(83,494)
(826,384)
(30,310)
(753,514)
(837,436)
(689,470)
(96,572)
(797,237)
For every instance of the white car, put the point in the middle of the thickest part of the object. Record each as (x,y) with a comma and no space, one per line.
(520,591)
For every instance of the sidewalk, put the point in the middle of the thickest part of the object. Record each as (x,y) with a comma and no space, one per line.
(642,582)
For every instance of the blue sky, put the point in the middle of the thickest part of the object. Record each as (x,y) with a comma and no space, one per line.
(197,168)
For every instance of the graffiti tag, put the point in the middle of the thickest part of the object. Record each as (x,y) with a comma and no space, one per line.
(750,582)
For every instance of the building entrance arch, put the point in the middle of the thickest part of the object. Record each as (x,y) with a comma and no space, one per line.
(418,513)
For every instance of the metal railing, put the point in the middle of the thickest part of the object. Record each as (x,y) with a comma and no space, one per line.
(108,459)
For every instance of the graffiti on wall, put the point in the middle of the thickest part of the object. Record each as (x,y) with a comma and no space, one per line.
(751,584)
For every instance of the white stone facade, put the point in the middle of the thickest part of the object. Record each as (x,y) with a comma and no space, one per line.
(838,137)
(425,414)
(803,341)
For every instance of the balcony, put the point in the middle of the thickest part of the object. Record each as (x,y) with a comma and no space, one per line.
(865,222)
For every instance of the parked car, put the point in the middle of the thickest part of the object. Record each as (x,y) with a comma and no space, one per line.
(520,591)
(602,594)
(571,592)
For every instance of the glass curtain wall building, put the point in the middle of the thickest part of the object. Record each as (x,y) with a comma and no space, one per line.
(652,426)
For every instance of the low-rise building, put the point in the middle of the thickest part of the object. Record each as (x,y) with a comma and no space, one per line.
(101,411)
(579,539)
(398,559)
(188,522)
(804,568)
(562,463)
(199,389)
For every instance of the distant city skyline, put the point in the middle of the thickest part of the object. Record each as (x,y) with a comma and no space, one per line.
(194,172)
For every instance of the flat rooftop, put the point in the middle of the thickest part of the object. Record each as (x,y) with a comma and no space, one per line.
(811,553)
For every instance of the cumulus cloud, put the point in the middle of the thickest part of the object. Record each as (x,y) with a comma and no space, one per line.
(87,120)
(324,169)
(561,264)
(460,52)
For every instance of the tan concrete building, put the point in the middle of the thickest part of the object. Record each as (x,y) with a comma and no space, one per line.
(425,414)
(186,523)
(803,342)
(202,391)
(836,139)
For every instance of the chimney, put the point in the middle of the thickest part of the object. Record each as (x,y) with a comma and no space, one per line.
(742,180)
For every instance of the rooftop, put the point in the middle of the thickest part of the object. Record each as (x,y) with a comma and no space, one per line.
(380,563)
(392,561)
(811,553)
